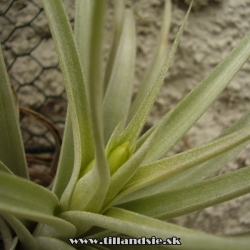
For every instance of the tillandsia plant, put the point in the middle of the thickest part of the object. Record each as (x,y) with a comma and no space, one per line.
(111,181)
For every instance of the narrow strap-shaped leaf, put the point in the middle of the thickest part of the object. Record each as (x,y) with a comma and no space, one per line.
(120,87)
(133,129)
(91,189)
(14,243)
(113,138)
(28,194)
(204,170)
(101,234)
(196,173)
(5,234)
(26,239)
(48,243)
(84,10)
(4,168)
(66,160)
(119,10)
(192,107)
(75,87)
(125,172)
(136,225)
(195,197)
(157,61)
(145,136)
(25,199)
(89,35)
(157,171)
(11,145)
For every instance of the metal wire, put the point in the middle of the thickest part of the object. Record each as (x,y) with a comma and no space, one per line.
(33,68)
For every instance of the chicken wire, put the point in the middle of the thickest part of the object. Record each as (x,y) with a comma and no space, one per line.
(33,69)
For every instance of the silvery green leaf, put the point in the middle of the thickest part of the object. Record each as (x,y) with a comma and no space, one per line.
(133,129)
(190,198)
(25,238)
(172,128)
(79,102)
(66,160)
(75,88)
(96,182)
(125,172)
(154,172)
(25,199)
(113,138)
(157,61)
(48,243)
(204,170)
(137,225)
(11,145)
(119,10)
(196,173)
(120,87)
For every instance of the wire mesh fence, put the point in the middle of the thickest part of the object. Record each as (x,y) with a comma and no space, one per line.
(35,75)
(33,69)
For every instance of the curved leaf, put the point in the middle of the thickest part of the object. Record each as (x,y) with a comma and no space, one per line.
(119,10)
(48,243)
(22,198)
(125,172)
(4,168)
(136,225)
(24,236)
(120,87)
(14,243)
(133,129)
(75,88)
(196,173)
(204,170)
(94,186)
(11,145)
(187,199)
(171,129)
(157,171)
(5,234)
(66,160)
(157,61)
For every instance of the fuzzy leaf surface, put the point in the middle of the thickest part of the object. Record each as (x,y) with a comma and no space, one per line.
(162,169)
(157,61)
(196,173)
(48,243)
(119,10)
(66,160)
(25,199)
(75,88)
(120,87)
(93,187)
(11,145)
(187,199)
(133,129)
(137,225)
(171,129)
